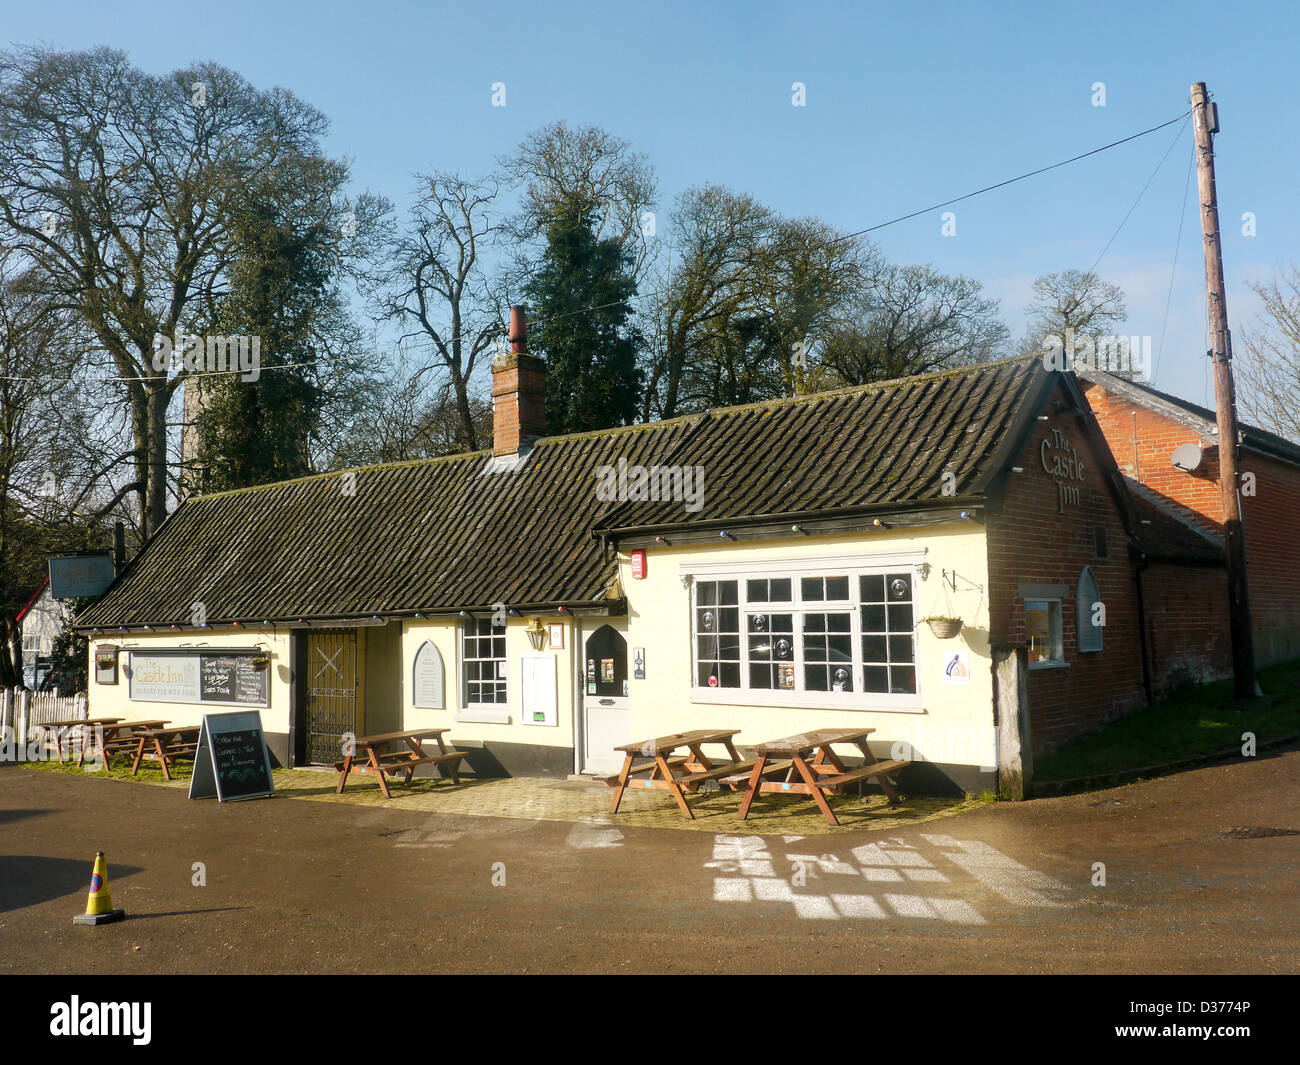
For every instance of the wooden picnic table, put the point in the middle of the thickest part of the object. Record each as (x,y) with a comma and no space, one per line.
(370,756)
(62,729)
(165,746)
(669,774)
(119,737)
(795,774)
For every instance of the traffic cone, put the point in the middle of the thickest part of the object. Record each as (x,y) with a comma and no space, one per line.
(99,906)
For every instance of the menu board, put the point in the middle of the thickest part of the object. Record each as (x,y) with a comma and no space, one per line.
(198,678)
(231,679)
(231,761)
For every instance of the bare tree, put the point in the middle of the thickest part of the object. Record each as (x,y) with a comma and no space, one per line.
(436,283)
(749,301)
(913,320)
(1073,300)
(120,187)
(1269,373)
(49,463)
(588,172)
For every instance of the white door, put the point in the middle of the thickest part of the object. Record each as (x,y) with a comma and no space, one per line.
(606,708)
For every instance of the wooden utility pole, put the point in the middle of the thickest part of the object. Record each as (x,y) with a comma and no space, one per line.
(1205,123)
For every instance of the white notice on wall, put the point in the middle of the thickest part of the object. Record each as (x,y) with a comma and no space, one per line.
(956,669)
(538,688)
(427,685)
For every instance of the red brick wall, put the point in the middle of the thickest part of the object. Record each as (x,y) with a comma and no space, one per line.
(1187,628)
(1031,541)
(1270,515)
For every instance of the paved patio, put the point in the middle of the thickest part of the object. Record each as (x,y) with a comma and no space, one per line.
(584,802)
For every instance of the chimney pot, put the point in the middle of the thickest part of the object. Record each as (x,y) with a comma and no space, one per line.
(518,331)
(518,393)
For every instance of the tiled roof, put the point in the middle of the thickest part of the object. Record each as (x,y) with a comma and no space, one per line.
(1167,532)
(468,531)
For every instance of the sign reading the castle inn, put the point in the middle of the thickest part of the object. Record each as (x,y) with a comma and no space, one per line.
(1063,465)
(197,678)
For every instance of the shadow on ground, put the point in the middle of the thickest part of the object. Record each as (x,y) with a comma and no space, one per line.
(28,879)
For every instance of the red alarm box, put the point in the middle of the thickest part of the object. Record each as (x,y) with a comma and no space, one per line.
(638,565)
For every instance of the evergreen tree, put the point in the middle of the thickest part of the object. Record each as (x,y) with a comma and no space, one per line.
(252,432)
(579,299)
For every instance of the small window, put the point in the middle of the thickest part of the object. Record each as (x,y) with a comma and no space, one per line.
(484,655)
(1099,541)
(1043,632)
(1091,612)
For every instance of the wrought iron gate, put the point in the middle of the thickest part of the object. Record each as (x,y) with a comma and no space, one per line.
(332,684)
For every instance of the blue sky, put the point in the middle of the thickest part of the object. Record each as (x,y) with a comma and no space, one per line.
(907,105)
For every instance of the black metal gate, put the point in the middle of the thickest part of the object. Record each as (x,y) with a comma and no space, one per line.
(332,684)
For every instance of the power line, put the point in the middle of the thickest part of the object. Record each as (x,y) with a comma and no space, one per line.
(1173,269)
(1152,178)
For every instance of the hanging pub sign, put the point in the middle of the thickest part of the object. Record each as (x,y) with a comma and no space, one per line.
(231,761)
(1062,463)
(77,576)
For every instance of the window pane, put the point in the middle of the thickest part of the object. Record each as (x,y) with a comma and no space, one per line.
(904,680)
(761,677)
(873,649)
(877,679)
(756,591)
(779,591)
(814,678)
(837,588)
(900,648)
(811,589)
(706,593)
(837,622)
(900,586)
(900,617)
(873,588)
(727,592)
(730,675)
(873,619)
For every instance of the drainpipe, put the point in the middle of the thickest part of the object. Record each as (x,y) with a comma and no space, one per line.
(1142,627)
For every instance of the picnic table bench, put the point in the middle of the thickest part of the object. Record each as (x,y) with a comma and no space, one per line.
(795,774)
(166,746)
(665,772)
(118,738)
(56,733)
(371,756)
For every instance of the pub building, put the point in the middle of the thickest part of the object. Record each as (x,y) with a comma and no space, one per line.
(768,568)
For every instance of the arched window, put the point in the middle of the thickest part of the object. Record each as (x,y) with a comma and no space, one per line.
(1090,615)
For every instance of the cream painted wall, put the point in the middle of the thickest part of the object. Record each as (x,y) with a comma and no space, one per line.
(113,700)
(444,635)
(956,725)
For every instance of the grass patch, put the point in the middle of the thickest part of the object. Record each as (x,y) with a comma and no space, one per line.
(1196,721)
(120,769)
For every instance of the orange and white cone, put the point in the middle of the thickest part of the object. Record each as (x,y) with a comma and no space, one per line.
(99,906)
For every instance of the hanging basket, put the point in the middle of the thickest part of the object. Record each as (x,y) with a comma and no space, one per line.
(944,628)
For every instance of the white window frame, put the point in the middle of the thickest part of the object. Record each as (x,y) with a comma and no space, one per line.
(851,566)
(479,713)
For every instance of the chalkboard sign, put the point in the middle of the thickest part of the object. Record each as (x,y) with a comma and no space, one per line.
(231,761)
(231,679)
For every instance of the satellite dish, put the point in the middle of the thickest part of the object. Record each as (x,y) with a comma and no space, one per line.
(1187,457)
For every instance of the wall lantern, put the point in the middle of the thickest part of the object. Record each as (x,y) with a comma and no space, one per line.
(536,634)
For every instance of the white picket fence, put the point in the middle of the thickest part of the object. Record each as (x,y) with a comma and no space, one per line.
(21,710)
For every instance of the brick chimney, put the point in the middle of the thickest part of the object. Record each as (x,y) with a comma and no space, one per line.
(518,393)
